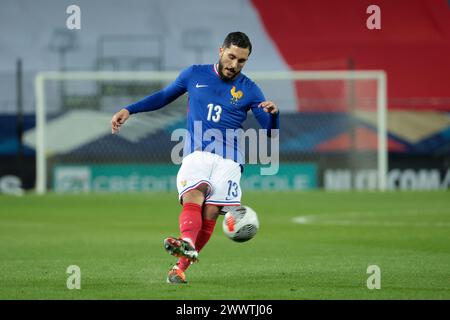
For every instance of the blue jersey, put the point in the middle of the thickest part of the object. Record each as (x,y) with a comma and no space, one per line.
(216,109)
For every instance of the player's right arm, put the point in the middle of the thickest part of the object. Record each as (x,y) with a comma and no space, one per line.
(118,119)
(153,102)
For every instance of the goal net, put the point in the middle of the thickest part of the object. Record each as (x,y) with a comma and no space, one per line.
(332,132)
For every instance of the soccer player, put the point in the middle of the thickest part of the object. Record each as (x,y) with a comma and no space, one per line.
(219,98)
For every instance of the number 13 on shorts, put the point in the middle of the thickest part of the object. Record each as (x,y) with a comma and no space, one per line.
(233,190)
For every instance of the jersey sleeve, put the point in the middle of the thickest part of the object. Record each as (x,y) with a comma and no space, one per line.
(266,120)
(163,97)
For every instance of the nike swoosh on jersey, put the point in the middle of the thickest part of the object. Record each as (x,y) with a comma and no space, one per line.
(201,85)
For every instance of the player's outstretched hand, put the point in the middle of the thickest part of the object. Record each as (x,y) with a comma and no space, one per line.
(269,106)
(118,119)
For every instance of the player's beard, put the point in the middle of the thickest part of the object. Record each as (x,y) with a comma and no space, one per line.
(222,75)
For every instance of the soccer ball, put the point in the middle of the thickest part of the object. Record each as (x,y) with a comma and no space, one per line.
(240,223)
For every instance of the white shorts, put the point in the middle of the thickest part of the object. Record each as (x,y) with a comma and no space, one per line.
(221,175)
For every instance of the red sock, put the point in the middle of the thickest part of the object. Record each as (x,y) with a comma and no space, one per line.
(205,233)
(202,238)
(190,221)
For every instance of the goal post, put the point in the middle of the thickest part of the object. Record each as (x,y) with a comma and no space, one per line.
(43,78)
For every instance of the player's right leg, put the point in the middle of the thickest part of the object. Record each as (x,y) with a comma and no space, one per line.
(190,225)
(224,178)
(193,188)
(210,214)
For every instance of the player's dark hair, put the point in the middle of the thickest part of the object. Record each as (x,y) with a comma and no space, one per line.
(238,39)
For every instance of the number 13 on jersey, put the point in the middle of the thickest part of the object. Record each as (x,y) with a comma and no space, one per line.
(214,112)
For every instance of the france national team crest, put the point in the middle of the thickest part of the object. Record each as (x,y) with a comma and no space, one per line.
(235,96)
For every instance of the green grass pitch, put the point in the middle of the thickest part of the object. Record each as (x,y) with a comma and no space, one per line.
(116,240)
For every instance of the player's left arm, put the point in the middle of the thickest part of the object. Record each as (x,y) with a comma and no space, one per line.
(265,111)
(269,107)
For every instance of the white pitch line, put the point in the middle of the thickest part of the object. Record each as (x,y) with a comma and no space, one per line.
(317,220)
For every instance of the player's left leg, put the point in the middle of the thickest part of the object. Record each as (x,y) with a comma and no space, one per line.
(209,218)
